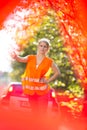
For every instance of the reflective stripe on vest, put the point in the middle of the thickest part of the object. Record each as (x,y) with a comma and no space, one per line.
(33,79)
(36,87)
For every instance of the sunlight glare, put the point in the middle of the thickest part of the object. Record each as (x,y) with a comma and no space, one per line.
(5,42)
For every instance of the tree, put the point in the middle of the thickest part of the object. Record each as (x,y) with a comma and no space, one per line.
(49,29)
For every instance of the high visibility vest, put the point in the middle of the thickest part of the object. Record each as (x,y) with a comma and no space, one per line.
(33,77)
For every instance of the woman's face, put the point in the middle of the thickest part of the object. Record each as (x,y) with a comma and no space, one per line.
(43,48)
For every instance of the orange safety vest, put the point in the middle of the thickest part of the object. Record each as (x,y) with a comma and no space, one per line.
(33,77)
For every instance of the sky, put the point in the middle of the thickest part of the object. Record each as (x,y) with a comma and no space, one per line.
(5,58)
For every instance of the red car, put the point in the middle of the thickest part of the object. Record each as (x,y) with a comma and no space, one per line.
(17,100)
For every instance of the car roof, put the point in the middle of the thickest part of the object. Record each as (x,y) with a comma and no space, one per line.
(15,83)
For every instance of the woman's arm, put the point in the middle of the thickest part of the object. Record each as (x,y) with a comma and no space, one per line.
(56,73)
(18,58)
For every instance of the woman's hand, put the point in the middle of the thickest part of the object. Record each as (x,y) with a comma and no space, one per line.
(46,81)
(13,55)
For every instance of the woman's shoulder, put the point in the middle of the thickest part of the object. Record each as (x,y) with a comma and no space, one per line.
(31,57)
(49,58)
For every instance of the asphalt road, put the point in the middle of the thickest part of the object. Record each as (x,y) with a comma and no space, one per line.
(10,120)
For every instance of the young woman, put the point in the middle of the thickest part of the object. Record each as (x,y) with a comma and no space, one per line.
(35,80)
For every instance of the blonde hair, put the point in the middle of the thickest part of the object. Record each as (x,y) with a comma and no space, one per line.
(47,41)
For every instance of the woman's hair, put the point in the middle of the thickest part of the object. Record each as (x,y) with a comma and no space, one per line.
(47,41)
